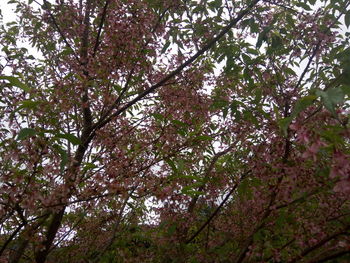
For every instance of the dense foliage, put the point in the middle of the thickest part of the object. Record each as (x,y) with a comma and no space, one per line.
(175,131)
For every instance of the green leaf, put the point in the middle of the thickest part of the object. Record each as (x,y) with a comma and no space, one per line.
(219,103)
(217,3)
(203,138)
(346,90)
(331,98)
(326,102)
(345,78)
(117,88)
(189,177)
(179,123)
(25,132)
(171,230)
(281,219)
(290,19)
(246,59)
(66,52)
(172,165)
(180,165)
(290,71)
(336,95)
(302,104)
(192,193)
(16,82)
(254,27)
(244,189)
(253,51)
(191,189)
(284,124)
(262,37)
(64,157)
(347,19)
(158,116)
(167,44)
(312,2)
(28,104)
(276,42)
(224,112)
(181,132)
(343,55)
(69,137)
(89,166)
(258,236)
(304,5)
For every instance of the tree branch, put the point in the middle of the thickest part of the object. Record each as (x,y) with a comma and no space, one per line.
(41,255)
(217,210)
(129,77)
(97,41)
(206,175)
(334,255)
(55,223)
(314,52)
(46,6)
(179,69)
(319,244)
(11,237)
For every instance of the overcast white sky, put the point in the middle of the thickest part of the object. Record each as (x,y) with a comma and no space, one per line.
(7,11)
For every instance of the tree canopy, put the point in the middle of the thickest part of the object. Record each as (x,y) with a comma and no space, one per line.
(175,131)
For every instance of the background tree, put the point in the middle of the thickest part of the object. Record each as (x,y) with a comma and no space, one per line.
(175,131)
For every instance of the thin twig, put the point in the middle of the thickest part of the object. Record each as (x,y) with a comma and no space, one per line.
(217,210)
(104,13)
(179,69)
(206,176)
(46,6)
(319,244)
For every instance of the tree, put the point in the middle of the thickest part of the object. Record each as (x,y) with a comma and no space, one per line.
(175,131)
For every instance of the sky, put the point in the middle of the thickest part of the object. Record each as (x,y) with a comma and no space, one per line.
(7,11)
